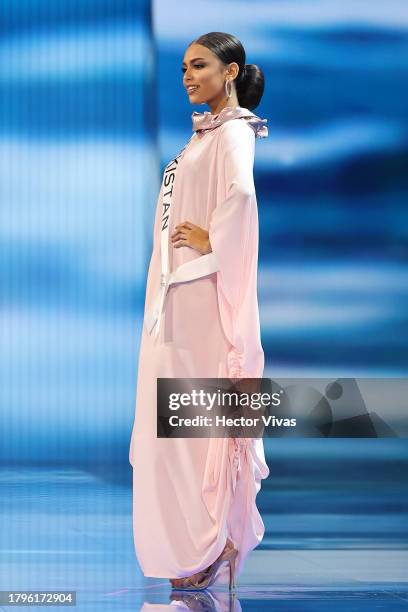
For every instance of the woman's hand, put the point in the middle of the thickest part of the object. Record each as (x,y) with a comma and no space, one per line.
(188,234)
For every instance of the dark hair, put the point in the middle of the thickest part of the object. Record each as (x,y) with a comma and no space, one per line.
(250,81)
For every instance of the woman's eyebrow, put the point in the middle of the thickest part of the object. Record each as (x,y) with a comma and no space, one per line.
(194,59)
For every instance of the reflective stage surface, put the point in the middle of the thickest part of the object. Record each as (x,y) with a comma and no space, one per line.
(71,530)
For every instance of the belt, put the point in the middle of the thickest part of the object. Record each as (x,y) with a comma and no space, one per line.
(191,270)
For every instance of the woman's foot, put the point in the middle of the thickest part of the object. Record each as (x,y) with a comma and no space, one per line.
(228,546)
(200,576)
(197,578)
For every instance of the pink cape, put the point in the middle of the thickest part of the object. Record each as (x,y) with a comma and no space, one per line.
(190,494)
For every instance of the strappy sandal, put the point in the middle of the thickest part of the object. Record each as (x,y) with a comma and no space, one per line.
(190,583)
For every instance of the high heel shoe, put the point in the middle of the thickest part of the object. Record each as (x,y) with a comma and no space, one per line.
(228,555)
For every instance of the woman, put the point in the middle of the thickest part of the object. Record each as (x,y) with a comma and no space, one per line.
(194,507)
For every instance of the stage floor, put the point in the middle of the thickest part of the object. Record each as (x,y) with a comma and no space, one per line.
(71,530)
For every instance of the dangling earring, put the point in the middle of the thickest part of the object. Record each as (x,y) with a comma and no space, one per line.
(230,88)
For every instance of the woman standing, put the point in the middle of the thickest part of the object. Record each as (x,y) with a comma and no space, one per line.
(194,498)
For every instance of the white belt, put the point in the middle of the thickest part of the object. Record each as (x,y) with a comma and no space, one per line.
(191,270)
(201,266)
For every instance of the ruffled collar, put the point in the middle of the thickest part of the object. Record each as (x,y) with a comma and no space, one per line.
(206,121)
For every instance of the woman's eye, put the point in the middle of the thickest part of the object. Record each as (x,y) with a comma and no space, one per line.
(195,66)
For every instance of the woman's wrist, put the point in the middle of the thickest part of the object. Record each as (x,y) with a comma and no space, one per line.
(207,247)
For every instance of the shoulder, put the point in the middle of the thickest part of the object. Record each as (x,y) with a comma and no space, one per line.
(236,133)
(238,126)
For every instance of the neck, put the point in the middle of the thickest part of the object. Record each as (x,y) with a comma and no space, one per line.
(226,106)
(216,106)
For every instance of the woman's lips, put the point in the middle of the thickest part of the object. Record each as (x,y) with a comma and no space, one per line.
(191,91)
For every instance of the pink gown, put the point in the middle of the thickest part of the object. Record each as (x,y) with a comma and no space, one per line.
(190,494)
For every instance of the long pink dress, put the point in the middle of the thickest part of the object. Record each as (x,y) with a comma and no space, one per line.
(190,494)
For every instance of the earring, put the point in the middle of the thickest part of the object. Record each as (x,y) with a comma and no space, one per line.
(228,93)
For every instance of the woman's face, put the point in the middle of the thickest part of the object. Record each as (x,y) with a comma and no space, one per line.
(204,73)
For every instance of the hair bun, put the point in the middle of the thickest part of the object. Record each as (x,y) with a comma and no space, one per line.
(251,86)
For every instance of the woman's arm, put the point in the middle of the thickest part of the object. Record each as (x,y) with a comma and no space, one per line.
(233,233)
(233,224)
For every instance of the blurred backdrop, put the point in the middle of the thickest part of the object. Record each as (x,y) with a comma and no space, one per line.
(91,109)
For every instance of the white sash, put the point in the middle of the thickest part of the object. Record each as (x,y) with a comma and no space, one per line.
(191,270)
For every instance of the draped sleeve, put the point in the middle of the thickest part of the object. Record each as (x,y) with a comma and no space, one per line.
(234,234)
